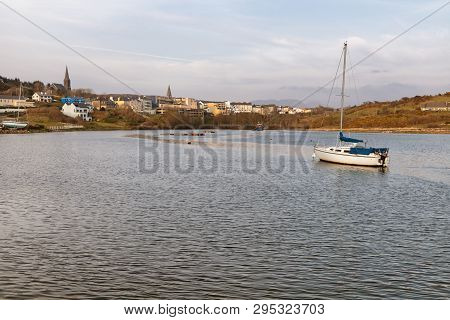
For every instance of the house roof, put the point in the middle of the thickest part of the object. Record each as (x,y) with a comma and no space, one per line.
(58,86)
(241,103)
(42,94)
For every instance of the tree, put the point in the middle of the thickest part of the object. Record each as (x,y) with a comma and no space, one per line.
(38,86)
(82,92)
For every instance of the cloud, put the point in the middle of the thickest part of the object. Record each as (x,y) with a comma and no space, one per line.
(224,49)
(378,71)
(132,53)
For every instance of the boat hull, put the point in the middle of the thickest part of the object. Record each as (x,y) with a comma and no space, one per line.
(371,160)
(14,125)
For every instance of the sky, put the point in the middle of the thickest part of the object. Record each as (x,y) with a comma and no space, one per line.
(230,50)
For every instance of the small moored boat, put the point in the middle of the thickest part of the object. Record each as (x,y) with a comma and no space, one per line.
(354,153)
(15,124)
(12,124)
(349,150)
(259,127)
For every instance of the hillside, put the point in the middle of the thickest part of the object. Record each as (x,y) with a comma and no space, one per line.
(11,87)
(400,114)
(403,115)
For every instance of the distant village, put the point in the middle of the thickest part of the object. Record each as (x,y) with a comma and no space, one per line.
(81,104)
(83,107)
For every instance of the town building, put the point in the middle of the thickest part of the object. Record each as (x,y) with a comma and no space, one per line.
(291,110)
(197,114)
(122,102)
(42,97)
(257,109)
(301,110)
(77,107)
(137,105)
(55,89)
(15,101)
(284,110)
(162,107)
(103,104)
(142,105)
(186,103)
(217,107)
(148,106)
(241,107)
(160,100)
(161,104)
(436,106)
(265,109)
(268,109)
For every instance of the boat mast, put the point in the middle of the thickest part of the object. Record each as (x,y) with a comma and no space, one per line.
(20,97)
(343,84)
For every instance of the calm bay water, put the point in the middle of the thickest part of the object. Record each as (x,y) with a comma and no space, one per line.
(240,215)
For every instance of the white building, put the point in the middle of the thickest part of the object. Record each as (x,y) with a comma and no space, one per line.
(42,97)
(291,110)
(436,106)
(284,110)
(84,111)
(301,110)
(227,107)
(241,107)
(435,109)
(137,105)
(257,109)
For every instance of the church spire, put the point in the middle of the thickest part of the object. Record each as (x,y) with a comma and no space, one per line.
(169,92)
(67,81)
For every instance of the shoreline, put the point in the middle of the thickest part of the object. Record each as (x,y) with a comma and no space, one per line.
(356,130)
(389,130)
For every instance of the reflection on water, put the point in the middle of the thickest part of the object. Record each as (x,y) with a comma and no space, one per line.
(79,218)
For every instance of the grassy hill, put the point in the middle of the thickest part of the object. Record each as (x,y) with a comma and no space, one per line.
(403,115)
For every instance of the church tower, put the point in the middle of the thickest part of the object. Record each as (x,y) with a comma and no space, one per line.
(67,81)
(169,93)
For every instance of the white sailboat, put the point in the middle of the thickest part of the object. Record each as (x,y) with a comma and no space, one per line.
(351,151)
(15,124)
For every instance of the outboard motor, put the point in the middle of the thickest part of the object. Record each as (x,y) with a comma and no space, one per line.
(383,157)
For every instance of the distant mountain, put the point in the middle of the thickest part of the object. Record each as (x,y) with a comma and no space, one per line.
(355,96)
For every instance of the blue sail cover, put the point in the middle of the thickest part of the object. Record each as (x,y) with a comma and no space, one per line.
(347,139)
(367,151)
